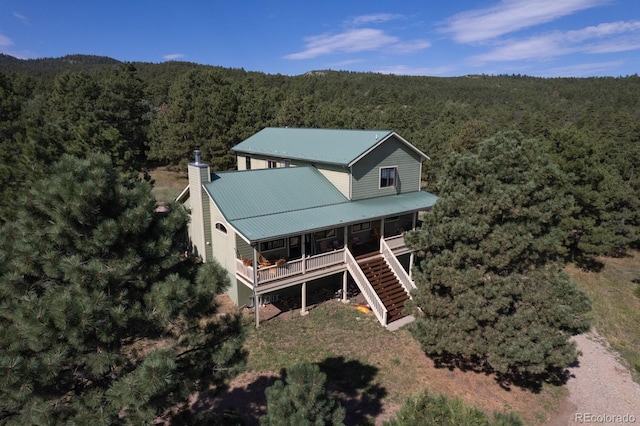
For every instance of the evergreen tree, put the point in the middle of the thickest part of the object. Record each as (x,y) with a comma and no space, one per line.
(490,291)
(124,116)
(427,410)
(102,318)
(11,128)
(201,109)
(302,400)
(604,219)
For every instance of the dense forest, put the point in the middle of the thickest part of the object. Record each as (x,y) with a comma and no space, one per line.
(143,115)
(531,173)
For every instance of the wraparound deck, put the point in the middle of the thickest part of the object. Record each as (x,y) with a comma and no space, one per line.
(297,271)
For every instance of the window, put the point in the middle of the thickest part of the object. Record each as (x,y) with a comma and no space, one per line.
(359,227)
(387,177)
(272,245)
(272,164)
(287,163)
(220,227)
(327,233)
(247,163)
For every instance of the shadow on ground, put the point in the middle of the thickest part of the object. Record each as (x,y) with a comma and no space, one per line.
(352,383)
(531,382)
(348,381)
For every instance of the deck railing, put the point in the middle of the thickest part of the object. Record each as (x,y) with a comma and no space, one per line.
(376,305)
(292,267)
(395,242)
(396,267)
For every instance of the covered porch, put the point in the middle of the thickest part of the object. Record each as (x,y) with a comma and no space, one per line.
(281,276)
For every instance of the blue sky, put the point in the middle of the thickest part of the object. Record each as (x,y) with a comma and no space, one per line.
(546,38)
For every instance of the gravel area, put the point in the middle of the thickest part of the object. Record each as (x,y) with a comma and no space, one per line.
(601,390)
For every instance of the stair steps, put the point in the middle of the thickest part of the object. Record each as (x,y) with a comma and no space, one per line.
(386,285)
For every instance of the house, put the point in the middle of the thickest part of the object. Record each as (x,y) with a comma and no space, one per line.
(307,204)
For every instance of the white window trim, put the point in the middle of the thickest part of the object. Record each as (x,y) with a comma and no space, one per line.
(395,177)
(361,229)
(223,231)
(284,245)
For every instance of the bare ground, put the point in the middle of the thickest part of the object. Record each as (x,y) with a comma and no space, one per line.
(398,375)
(601,389)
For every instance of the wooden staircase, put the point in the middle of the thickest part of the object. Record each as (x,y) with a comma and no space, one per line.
(384,282)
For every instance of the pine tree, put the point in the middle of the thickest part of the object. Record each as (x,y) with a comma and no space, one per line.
(604,220)
(425,409)
(102,318)
(490,288)
(302,400)
(201,109)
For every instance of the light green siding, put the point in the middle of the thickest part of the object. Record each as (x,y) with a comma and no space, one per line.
(200,229)
(391,153)
(223,248)
(243,248)
(258,162)
(241,162)
(222,244)
(338,176)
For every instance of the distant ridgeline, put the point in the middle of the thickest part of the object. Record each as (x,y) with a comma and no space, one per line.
(147,114)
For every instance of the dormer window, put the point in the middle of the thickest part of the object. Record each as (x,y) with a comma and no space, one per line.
(247,163)
(272,164)
(388,177)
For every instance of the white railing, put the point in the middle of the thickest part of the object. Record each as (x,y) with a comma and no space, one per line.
(325,259)
(291,268)
(274,272)
(244,270)
(395,242)
(396,267)
(365,287)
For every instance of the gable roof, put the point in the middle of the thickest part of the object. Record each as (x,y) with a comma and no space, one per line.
(265,204)
(263,192)
(331,146)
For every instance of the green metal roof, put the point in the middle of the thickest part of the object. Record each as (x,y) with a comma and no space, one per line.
(270,203)
(333,146)
(262,192)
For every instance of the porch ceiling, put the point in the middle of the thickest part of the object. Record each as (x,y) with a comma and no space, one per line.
(306,220)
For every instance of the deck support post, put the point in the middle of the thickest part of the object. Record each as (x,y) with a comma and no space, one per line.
(345,297)
(303,309)
(412,258)
(256,305)
(304,253)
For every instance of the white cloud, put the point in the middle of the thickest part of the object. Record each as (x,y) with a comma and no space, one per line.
(173,56)
(604,38)
(5,41)
(347,42)
(21,17)
(373,19)
(509,16)
(405,70)
(357,40)
(411,46)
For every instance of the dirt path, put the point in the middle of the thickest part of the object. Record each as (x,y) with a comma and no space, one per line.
(601,390)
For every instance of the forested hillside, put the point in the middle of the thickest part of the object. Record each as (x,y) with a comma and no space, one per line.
(144,114)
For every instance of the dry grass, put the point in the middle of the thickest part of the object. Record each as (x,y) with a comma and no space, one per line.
(373,370)
(168,185)
(616,308)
